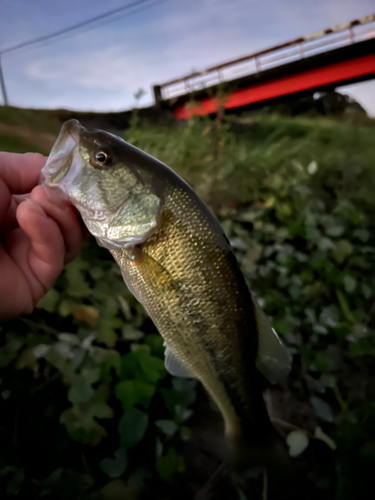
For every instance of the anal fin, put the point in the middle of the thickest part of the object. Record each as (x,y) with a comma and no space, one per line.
(272,358)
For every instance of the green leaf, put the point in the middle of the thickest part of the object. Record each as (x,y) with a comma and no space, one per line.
(97,273)
(81,426)
(9,351)
(55,358)
(297,442)
(66,308)
(131,333)
(295,292)
(326,244)
(126,392)
(132,392)
(27,359)
(322,409)
(132,427)
(129,366)
(170,463)
(361,234)
(144,393)
(345,307)
(100,409)
(106,329)
(156,344)
(282,281)
(321,329)
(91,375)
(330,316)
(366,290)
(306,276)
(49,301)
(171,398)
(118,490)
(343,248)
(325,362)
(115,467)
(361,348)
(77,287)
(112,361)
(81,391)
(15,479)
(151,366)
(335,231)
(168,427)
(281,327)
(350,283)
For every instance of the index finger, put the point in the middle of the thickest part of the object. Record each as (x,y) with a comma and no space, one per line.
(21,172)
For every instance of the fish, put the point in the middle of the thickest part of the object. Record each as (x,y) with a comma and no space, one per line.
(177,261)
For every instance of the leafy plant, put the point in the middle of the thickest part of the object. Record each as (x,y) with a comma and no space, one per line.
(87,409)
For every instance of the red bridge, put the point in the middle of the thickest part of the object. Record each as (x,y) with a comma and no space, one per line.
(321,61)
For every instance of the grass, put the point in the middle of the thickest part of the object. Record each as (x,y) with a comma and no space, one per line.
(35,120)
(295,198)
(14,144)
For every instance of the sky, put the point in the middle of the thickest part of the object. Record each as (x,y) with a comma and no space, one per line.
(101,69)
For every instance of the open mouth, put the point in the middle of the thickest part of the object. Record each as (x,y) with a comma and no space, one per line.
(63,161)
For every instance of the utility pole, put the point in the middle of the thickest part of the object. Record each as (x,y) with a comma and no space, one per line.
(2,84)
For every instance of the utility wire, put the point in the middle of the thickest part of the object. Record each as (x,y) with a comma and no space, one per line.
(71,28)
(103,23)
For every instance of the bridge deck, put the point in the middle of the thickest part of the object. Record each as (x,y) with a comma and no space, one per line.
(321,61)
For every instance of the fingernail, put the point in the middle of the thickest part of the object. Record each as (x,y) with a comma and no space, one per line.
(36,208)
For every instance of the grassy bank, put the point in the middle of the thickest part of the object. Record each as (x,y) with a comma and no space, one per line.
(83,385)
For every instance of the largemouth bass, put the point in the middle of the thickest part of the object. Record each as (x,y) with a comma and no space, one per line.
(176,260)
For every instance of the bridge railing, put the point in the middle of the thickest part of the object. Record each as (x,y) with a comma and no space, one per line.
(315,43)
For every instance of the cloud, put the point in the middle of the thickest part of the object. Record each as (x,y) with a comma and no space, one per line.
(103,68)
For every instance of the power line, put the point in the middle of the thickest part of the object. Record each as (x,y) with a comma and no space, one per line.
(103,23)
(71,28)
(83,24)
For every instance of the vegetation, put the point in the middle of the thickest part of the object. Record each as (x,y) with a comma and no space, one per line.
(87,410)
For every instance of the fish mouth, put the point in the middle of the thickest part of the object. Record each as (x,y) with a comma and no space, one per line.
(63,163)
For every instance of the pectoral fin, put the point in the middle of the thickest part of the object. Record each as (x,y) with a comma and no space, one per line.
(173,365)
(272,359)
(154,272)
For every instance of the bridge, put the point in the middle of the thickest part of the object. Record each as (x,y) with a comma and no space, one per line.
(321,61)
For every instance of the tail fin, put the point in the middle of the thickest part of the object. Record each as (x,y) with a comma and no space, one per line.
(271,457)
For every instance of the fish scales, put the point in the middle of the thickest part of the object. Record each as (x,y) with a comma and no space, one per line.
(193,291)
(176,260)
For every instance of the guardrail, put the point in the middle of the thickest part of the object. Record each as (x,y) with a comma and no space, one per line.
(315,43)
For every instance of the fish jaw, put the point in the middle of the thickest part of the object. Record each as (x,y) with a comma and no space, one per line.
(117,215)
(64,162)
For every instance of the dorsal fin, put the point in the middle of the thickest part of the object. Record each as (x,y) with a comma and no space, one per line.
(272,358)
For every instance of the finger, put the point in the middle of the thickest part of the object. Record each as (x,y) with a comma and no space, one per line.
(5,201)
(9,221)
(66,218)
(21,172)
(15,293)
(44,259)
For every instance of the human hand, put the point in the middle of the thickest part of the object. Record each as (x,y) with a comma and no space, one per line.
(38,235)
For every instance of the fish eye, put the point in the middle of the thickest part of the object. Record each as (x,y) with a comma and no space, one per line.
(103,158)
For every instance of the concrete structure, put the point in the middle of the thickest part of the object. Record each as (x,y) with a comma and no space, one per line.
(321,61)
